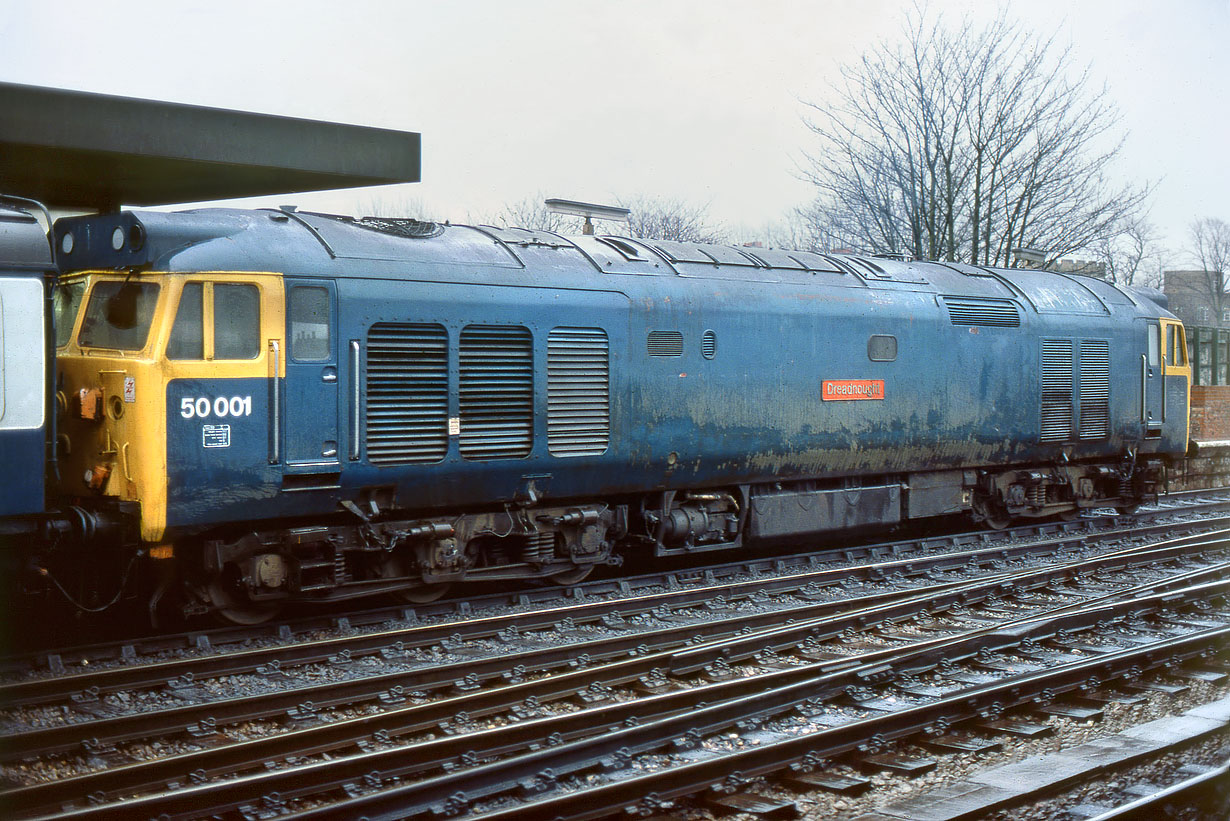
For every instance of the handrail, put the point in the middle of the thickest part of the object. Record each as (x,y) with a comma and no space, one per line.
(275,403)
(355,398)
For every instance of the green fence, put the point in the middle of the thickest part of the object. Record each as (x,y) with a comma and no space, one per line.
(1208,349)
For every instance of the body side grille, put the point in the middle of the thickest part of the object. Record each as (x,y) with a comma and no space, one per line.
(1095,389)
(496,367)
(578,392)
(1056,390)
(407,393)
(665,343)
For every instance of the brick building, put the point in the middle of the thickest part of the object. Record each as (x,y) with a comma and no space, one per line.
(1198,297)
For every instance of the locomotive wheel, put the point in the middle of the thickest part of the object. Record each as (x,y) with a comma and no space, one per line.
(991,513)
(1070,515)
(573,576)
(398,566)
(1127,510)
(998,521)
(423,594)
(235,608)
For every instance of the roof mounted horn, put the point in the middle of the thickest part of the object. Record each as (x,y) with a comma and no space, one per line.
(588,210)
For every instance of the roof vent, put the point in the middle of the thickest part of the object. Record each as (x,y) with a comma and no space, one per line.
(400,227)
(993,312)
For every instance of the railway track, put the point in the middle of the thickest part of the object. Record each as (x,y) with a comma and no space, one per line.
(1204,789)
(932,571)
(759,571)
(645,663)
(1173,766)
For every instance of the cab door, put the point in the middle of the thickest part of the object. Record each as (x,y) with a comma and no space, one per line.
(1152,382)
(310,417)
(1177,379)
(224,344)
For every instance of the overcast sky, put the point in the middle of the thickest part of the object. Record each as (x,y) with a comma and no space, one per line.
(599,100)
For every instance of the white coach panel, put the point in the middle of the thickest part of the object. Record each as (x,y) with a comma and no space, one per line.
(22,353)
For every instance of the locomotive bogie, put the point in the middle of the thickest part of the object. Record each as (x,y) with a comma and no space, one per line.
(342,561)
(1064,489)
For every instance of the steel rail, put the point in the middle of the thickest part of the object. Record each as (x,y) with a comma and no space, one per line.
(1190,791)
(221,796)
(65,737)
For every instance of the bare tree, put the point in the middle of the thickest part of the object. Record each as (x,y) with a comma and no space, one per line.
(403,206)
(807,228)
(651,218)
(964,144)
(671,219)
(1132,255)
(532,213)
(1209,249)
(1210,243)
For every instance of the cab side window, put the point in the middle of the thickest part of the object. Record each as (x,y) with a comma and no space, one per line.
(188,334)
(309,324)
(1174,346)
(237,321)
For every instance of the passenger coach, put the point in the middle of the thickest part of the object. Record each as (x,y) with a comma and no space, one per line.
(25,263)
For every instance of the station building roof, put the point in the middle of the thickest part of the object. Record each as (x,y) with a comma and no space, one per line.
(73,149)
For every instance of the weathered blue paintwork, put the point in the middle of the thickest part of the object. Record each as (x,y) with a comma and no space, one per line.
(23,482)
(957,396)
(217,465)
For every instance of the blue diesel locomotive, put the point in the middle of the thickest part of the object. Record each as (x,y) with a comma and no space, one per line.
(293,406)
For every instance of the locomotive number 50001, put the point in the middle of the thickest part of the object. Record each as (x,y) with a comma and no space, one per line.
(204,407)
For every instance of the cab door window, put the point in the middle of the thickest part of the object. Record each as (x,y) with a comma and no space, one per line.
(237,321)
(309,324)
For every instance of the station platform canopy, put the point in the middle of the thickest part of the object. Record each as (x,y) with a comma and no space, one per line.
(79,150)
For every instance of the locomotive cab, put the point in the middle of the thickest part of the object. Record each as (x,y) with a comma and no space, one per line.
(148,353)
